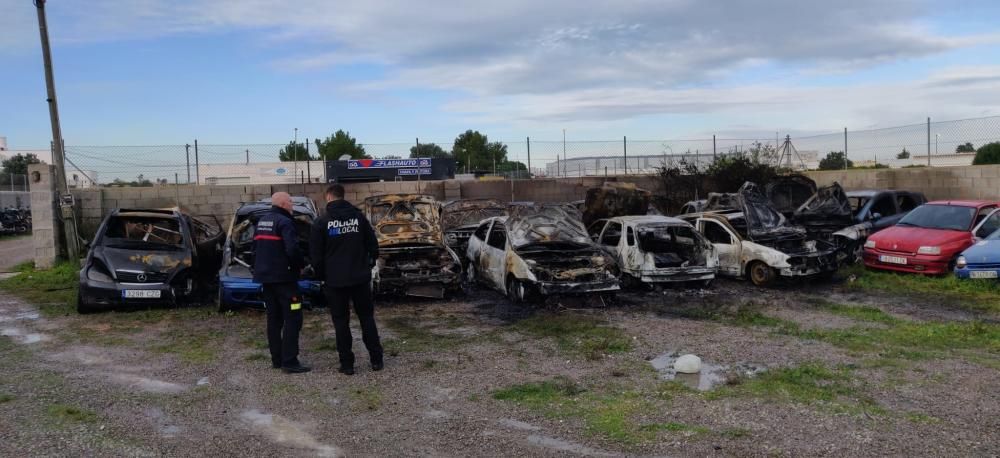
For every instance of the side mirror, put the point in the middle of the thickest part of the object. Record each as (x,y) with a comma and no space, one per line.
(876,216)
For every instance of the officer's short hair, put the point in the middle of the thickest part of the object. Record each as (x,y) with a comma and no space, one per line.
(335,190)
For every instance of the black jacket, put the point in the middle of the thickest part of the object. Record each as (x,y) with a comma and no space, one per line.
(342,246)
(277,258)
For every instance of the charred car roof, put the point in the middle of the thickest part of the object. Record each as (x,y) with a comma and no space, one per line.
(469,212)
(528,225)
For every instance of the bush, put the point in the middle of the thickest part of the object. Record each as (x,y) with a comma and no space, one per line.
(987,154)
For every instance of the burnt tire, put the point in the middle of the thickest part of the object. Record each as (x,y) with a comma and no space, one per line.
(221,306)
(761,274)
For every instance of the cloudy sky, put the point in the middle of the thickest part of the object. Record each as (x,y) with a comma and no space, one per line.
(249,71)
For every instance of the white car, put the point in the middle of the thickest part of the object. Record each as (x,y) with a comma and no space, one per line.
(539,250)
(656,249)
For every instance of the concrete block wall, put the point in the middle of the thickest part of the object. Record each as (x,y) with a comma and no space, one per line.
(222,201)
(937,183)
(45,235)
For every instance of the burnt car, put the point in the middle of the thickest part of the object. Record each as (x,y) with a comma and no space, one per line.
(874,210)
(537,251)
(756,242)
(826,212)
(615,199)
(788,192)
(413,257)
(147,257)
(236,286)
(461,217)
(656,249)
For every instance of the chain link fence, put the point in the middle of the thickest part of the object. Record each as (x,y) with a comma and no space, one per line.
(950,143)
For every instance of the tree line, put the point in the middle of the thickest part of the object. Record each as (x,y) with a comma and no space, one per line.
(472,151)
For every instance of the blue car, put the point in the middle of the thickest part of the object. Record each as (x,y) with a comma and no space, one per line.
(236,286)
(982,259)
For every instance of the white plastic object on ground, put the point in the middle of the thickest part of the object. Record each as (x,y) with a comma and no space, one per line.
(688,364)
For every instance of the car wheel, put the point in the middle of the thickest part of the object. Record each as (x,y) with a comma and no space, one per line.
(223,307)
(83,308)
(630,282)
(761,274)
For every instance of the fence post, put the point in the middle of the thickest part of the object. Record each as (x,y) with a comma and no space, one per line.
(714,156)
(177,192)
(187,153)
(197,166)
(309,175)
(528,141)
(845,149)
(625,152)
(928,141)
(12,182)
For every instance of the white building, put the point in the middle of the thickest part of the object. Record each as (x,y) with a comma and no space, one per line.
(262,173)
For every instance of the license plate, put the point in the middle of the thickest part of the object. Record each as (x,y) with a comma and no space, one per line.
(892,259)
(141,293)
(983,274)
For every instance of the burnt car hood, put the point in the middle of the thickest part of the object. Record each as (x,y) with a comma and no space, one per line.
(788,193)
(764,221)
(545,224)
(143,260)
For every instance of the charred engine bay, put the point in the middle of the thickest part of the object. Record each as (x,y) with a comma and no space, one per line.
(565,262)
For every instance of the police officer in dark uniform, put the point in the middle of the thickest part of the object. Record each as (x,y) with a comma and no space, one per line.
(344,249)
(277,263)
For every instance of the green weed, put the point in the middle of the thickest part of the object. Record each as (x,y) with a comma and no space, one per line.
(981,295)
(53,290)
(66,413)
(587,336)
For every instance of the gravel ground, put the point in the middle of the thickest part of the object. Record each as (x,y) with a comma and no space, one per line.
(192,382)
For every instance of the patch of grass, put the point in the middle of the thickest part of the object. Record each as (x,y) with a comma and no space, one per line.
(584,335)
(369,398)
(671,389)
(810,384)
(981,295)
(920,417)
(66,413)
(257,357)
(193,346)
(856,312)
(614,413)
(327,344)
(4,397)
(414,338)
(735,433)
(53,290)
(913,340)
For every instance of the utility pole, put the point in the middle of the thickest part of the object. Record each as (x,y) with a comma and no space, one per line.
(58,147)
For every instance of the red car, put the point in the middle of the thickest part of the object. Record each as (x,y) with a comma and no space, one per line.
(928,239)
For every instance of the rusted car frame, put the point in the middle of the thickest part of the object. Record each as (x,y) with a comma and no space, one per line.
(413,257)
(537,251)
(656,249)
(460,218)
(755,241)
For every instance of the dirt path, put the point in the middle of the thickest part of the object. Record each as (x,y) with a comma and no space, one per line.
(15,250)
(193,382)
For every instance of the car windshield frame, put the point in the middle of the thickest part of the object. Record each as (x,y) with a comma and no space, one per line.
(918,218)
(109,239)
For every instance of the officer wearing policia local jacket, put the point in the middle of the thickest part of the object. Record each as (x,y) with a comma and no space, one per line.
(343,249)
(277,263)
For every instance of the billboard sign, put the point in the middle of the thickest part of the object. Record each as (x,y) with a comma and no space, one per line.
(356,164)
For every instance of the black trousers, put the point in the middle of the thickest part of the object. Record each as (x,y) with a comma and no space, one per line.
(338,299)
(283,323)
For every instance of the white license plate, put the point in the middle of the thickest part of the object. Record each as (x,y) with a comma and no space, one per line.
(983,274)
(892,259)
(141,293)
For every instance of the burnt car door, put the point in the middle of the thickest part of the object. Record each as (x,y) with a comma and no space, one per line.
(493,257)
(727,245)
(595,229)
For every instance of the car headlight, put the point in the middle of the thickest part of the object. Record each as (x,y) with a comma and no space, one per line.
(960,262)
(929,250)
(869,244)
(94,273)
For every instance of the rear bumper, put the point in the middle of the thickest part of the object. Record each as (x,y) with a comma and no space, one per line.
(238,292)
(917,264)
(549,288)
